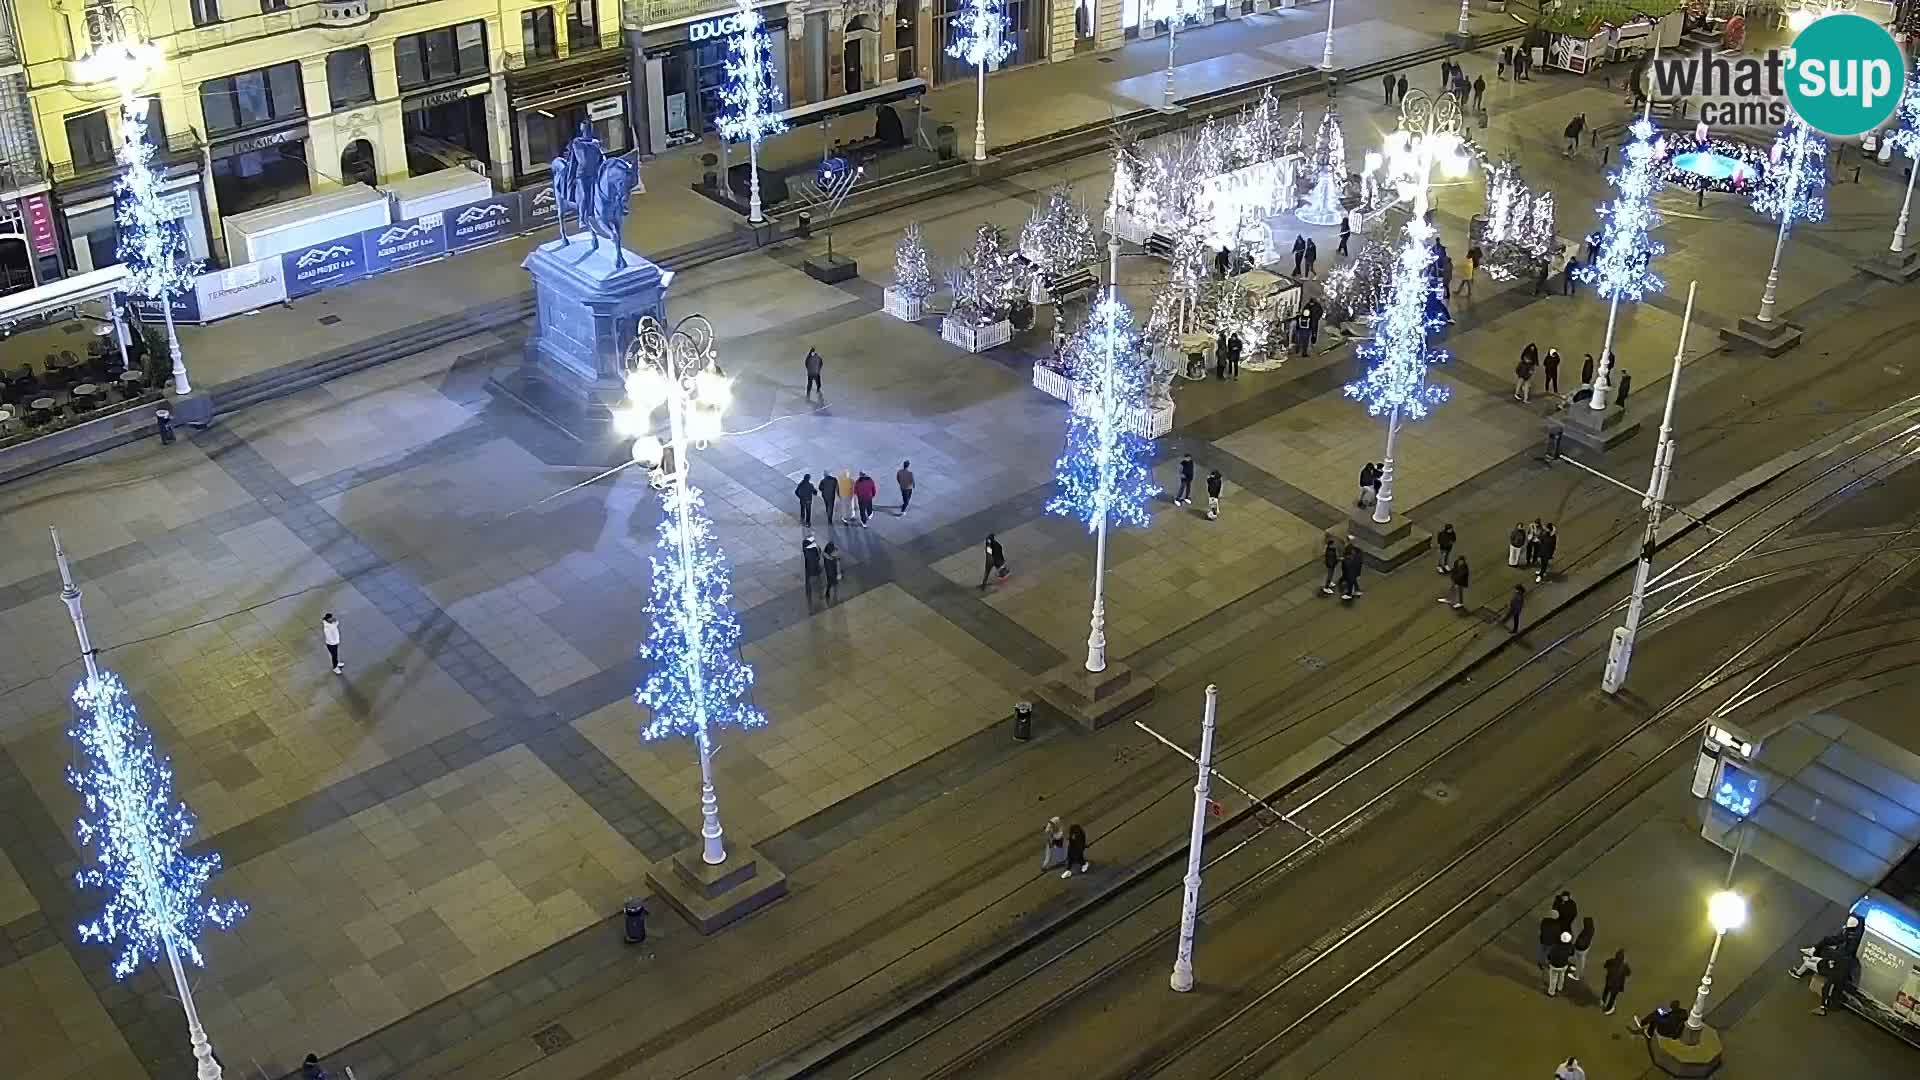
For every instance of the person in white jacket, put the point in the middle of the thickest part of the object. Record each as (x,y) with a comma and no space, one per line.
(330,633)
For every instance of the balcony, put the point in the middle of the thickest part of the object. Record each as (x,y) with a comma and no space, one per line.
(581,50)
(343,13)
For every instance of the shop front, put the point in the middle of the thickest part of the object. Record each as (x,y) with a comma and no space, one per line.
(260,168)
(446,127)
(29,242)
(549,105)
(1026,32)
(686,72)
(92,230)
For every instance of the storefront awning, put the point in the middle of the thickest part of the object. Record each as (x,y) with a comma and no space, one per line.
(62,294)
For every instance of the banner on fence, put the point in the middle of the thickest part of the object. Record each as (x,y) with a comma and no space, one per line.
(483,222)
(324,265)
(405,242)
(247,287)
(539,208)
(186,307)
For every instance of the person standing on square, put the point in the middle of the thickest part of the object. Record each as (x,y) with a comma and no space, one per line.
(905,479)
(330,633)
(804,491)
(1213,495)
(1184,495)
(815,363)
(829,491)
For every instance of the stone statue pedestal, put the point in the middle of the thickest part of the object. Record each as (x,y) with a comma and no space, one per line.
(585,315)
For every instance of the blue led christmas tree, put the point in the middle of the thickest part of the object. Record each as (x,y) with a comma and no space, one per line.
(752,99)
(1622,269)
(1792,190)
(1103,472)
(149,242)
(696,682)
(1395,383)
(156,904)
(980,40)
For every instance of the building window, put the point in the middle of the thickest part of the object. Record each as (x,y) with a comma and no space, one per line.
(349,76)
(205,12)
(536,33)
(88,139)
(253,98)
(273,5)
(156,124)
(583,25)
(451,52)
(1023,33)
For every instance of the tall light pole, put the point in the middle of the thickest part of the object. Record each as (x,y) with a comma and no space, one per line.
(1428,135)
(697,683)
(1620,649)
(1326,49)
(1623,267)
(1906,139)
(980,39)
(1182,978)
(1462,28)
(1790,189)
(1726,911)
(1176,13)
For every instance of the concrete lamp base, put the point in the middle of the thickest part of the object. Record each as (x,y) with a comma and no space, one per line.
(1771,339)
(1888,266)
(712,896)
(831,269)
(1093,699)
(1595,429)
(1465,41)
(1675,1058)
(1388,546)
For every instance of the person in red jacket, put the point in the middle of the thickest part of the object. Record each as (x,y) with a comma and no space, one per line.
(864,489)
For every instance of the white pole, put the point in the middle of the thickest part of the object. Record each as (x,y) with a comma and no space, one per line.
(1326,50)
(1383,505)
(180,384)
(713,848)
(70,595)
(753,190)
(1097,638)
(1463,18)
(980,114)
(1697,1019)
(1620,653)
(1773,274)
(205,1067)
(1899,244)
(1603,365)
(1182,979)
(1173,32)
(119,331)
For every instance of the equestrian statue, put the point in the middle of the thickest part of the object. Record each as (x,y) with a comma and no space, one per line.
(597,189)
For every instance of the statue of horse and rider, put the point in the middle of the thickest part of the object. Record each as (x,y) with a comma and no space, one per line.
(596,189)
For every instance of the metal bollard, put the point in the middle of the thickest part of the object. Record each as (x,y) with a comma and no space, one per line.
(164,419)
(634,913)
(1022,720)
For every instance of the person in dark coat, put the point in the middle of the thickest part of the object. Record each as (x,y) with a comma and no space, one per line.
(1567,910)
(1369,483)
(1315,312)
(1444,540)
(1543,552)
(1302,332)
(804,491)
(1331,556)
(1533,542)
(1400,88)
(1221,262)
(1550,367)
(903,478)
(1667,1021)
(1076,851)
(1233,355)
(1567,270)
(1185,494)
(1574,127)
(830,569)
(1313,254)
(1586,371)
(865,490)
(830,491)
(1479,93)
(1542,269)
(1839,971)
(1386,87)
(1446,75)
(1622,382)
(1583,940)
(1559,958)
(1549,933)
(1299,253)
(810,557)
(1506,61)
(1351,560)
(310,1069)
(1346,232)
(1213,495)
(1514,605)
(996,557)
(815,363)
(1617,971)
(1461,576)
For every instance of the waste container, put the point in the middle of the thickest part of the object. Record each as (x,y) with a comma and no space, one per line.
(636,920)
(164,419)
(945,143)
(1023,720)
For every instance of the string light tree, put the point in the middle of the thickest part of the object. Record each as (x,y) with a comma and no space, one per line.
(1621,271)
(1898,263)
(156,904)
(1395,384)
(980,39)
(1105,479)
(1175,13)
(149,244)
(751,99)
(696,681)
(1057,243)
(1792,189)
(1328,164)
(906,298)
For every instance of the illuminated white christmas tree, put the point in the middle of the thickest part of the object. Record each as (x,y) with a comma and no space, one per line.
(150,242)
(1058,238)
(912,270)
(1327,165)
(1792,190)
(752,99)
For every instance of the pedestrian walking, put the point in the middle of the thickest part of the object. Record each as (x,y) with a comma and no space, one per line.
(1550,367)
(1523,64)
(1076,851)
(1514,604)
(1542,270)
(1559,957)
(1516,544)
(830,569)
(1346,232)
(1506,59)
(1313,254)
(1351,560)
(1617,970)
(330,634)
(1479,93)
(1531,554)
(1213,495)
(1331,556)
(848,496)
(1299,253)
(1565,909)
(815,364)
(1443,269)
(1221,262)
(1586,372)
(1400,88)
(1461,576)
(1467,271)
(1574,127)
(1567,270)
(1549,933)
(1302,332)
(996,561)
(1386,86)
(1446,75)
(1315,312)
(865,490)
(1184,495)
(1623,383)
(1570,1070)
(1053,851)
(1543,552)
(804,491)
(1523,379)
(904,478)
(1369,475)
(1444,541)
(810,564)
(829,490)
(1234,347)
(1583,940)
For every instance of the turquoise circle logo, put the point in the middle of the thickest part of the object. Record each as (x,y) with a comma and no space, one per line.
(1846,75)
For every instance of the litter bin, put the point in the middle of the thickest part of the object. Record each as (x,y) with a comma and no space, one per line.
(1023,720)
(164,419)
(945,143)
(636,921)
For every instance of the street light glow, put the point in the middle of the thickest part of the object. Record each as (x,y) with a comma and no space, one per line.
(1727,911)
(646,388)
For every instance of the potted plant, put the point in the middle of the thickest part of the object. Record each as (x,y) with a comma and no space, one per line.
(906,298)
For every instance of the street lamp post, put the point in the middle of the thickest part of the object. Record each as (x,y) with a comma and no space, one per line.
(1182,978)
(1462,28)
(1726,911)
(1326,49)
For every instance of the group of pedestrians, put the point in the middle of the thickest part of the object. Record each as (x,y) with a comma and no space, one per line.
(1520,60)
(1346,563)
(1459,575)
(1563,948)
(1183,495)
(1533,546)
(855,493)
(1453,80)
(1834,958)
(1305,253)
(1068,846)
(1530,362)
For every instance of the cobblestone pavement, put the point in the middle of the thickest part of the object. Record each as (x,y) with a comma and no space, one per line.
(433,843)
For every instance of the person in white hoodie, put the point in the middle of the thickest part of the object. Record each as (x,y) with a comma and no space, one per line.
(330,633)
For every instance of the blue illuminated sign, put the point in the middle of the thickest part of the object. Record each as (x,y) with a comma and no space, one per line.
(1894,929)
(1737,791)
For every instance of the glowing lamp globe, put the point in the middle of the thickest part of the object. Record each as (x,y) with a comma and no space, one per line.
(713,388)
(1727,911)
(646,388)
(647,451)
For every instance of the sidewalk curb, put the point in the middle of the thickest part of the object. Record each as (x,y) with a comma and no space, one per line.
(1327,750)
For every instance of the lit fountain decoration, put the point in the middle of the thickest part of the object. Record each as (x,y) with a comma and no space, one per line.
(1712,164)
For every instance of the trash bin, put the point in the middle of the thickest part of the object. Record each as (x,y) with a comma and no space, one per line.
(803,225)
(945,143)
(164,419)
(636,920)
(1023,720)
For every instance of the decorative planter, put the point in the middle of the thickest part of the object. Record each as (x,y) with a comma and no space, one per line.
(902,306)
(1050,382)
(1151,422)
(974,338)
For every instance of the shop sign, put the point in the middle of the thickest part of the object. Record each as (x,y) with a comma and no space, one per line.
(606,107)
(665,12)
(483,222)
(260,142)
(38,213)
(246,287)
(709,29)
(445,97)
(185,304)
(324,265)
(539,207)
(410,240)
